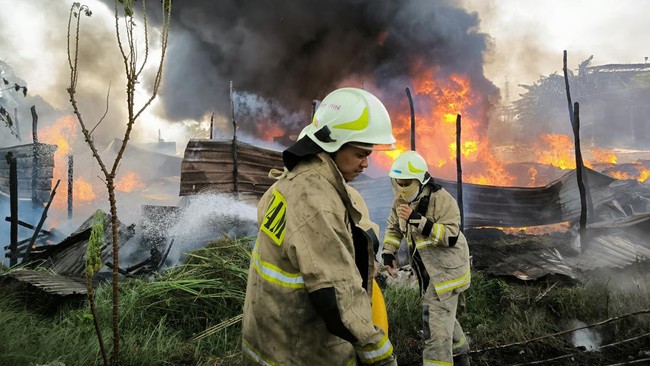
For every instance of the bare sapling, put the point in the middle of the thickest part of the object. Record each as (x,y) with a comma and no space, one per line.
(134,64)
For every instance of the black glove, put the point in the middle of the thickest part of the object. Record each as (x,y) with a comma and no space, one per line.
(388,258)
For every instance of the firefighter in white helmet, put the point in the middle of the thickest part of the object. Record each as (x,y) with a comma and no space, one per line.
(310,279)
(427,217)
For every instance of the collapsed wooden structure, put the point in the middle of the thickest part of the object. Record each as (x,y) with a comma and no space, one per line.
(208,166)
(617,205)
(67,257)
(26,172)
(32,183)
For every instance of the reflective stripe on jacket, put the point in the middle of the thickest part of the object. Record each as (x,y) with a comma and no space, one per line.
(309,228)
(437,238)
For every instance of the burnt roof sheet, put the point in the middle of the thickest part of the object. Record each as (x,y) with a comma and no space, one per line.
(554,203)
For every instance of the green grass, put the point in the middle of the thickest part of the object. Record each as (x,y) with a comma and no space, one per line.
(500,312)
(404,323)
(158,319)
(174,319)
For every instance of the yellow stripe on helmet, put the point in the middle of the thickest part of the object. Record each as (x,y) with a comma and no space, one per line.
(413,169)
(359,124)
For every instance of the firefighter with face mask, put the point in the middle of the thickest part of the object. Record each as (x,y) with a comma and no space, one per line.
(308,296)
(427,217)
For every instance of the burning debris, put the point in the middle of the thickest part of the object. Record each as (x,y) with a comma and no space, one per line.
(67,257)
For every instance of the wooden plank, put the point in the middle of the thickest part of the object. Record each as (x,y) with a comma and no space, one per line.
(208,166)
(24,162)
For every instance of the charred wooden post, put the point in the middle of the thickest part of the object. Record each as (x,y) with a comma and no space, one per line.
(211,127)
(13,197)
(35,157)
(579,173)
(164,257)
(408,95)
(70,184)
(586,205)
(234,141)
(17,124)
(28,251)
(459,172)
(590,206)
(568,91)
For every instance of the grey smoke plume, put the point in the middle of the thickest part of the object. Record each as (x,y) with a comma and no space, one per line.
(290,52)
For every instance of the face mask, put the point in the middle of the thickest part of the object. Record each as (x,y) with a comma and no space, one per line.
(410,192)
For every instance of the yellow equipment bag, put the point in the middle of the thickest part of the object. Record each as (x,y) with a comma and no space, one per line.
(379,314)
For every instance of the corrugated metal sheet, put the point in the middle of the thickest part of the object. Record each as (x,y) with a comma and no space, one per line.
(554,203)
(49,282)
(208,167)
(615,243)
(611,244)
(534,265)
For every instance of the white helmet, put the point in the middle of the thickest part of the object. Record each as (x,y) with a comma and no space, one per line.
(351,115)
(410,165)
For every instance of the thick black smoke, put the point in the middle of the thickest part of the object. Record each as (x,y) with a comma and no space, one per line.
(291,52)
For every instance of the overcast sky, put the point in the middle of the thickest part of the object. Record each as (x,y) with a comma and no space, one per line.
(528,37)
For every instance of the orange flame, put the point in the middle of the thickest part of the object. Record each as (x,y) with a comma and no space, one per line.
(268,131)
(440,100)
(644,174)
(59,134)
(62,133)
(620,175)
(129,182)
(83,190)
(556,150)
(538,230)
(603,156)
(533,176)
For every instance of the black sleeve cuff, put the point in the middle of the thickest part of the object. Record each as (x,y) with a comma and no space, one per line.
(428,226)
(414,218)
(324,301)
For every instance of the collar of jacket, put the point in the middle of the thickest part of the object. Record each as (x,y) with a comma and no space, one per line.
(424,192)
(323,164)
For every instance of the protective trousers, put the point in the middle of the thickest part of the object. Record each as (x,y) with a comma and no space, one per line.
(442,332)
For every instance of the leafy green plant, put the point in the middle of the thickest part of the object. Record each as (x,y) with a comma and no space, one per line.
(93,260)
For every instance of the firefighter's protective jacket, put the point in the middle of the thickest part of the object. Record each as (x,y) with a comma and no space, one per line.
(438,249)
(307,301)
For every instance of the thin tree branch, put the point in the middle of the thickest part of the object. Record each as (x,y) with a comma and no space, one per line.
(74,71)
(146,39)
(108,94)
(119,40)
